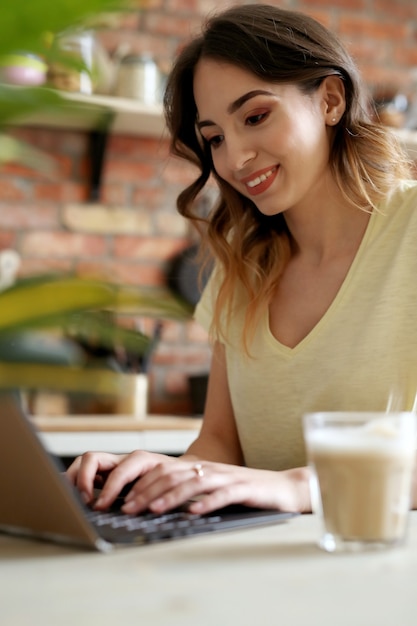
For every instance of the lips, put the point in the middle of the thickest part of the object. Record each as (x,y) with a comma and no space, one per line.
(260,181)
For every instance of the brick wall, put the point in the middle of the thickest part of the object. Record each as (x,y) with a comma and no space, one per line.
(135,229)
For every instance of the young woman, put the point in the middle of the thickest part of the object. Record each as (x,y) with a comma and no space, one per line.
(313,301)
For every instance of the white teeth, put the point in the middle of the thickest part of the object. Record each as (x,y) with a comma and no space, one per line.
(259,179)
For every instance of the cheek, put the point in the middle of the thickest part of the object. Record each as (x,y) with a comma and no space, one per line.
(219,164)
(309,141)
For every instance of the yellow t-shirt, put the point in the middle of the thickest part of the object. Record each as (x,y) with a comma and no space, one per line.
(362,350)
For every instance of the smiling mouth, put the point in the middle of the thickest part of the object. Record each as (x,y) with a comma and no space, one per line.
(260,179)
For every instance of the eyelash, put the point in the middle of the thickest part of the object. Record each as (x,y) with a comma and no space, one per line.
(259,117)
(252,120)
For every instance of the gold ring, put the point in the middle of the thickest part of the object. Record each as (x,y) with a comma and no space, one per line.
(198,468)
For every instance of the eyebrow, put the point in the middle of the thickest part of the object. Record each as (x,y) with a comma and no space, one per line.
(236,104)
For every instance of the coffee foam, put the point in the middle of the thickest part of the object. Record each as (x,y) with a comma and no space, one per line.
(378,436)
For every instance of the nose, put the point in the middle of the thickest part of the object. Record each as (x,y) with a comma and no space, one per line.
(238,153)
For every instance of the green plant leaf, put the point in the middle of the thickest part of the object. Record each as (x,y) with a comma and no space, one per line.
(12,150)
(98,329)
(37,300)
(62,378)
(16,102)
(42,299)
(24,23)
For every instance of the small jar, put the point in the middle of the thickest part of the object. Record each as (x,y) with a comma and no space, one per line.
(23,68)
(77,46)
(139,78)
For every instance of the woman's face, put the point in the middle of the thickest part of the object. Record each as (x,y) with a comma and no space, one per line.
(270,142)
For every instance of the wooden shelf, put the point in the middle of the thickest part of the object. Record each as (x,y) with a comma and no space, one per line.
(85,112)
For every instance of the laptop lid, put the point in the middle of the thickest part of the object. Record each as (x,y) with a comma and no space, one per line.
(35,498)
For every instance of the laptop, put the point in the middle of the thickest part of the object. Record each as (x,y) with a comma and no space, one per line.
(38,501)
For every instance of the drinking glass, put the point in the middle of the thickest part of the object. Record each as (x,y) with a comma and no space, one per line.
(361,474)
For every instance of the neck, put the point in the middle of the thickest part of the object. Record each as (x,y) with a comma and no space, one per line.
(321,233)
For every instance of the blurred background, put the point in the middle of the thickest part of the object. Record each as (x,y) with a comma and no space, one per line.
(107,208)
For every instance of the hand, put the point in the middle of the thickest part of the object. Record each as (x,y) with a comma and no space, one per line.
(167,485)
(113,471)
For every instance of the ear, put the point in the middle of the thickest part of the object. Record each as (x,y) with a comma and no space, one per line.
(334,102)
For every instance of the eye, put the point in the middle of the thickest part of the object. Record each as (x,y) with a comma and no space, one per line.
(214,142)
(253,120)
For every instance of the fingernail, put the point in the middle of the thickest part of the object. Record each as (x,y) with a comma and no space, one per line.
(157,505)
(195,507)
(128,506)
(85,497)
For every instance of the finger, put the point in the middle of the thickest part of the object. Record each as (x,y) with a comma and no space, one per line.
(88,466)
(72,471)
(130,468)
(219,498)
(171,487)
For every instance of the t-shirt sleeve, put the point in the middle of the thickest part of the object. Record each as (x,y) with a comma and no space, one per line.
(203,313)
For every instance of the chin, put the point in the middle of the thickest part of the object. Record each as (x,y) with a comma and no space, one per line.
(270,211)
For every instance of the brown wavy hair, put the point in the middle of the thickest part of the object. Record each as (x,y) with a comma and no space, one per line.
(366,160)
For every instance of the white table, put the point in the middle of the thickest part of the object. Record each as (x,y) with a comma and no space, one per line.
(72,435)
(260,577)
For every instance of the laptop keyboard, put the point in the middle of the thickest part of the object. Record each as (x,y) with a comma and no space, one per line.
(118,527)
(149,527)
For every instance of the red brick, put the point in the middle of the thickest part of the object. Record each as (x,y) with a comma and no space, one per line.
(149,197)
(60,192)
(400,9)
(139,148)
(13,190)
(19,170)
(406,56)
(183,355)
(141,274)
(65,165)
(179,172)
(115,194)
(126,171)
(330,6)
(28,216)
(365,51)
(170,24)
(124,273)
(33,267)
(152,248)
(173,332)
(7,240)
(176,382)
(61,244)
(381,77)
(372,29)
(53,140)
(182,6)
(326,18)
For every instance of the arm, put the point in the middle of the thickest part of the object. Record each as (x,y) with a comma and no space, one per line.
(218,439)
